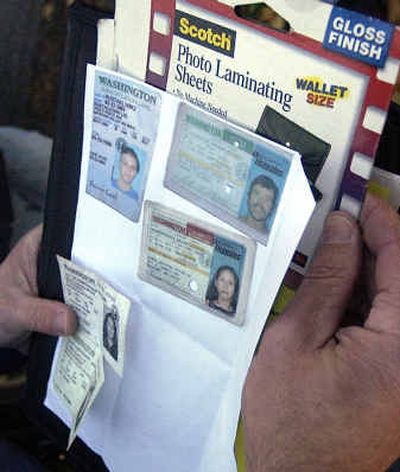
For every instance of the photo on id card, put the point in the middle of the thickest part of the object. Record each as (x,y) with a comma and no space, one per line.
(234,175)
(114,314)
(198,262)
(124,124)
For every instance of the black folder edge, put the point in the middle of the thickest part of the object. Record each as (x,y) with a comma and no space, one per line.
(59,220)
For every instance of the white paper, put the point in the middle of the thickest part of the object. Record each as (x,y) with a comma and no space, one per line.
(177,405)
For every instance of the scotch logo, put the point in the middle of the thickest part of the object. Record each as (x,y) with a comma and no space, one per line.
(205,33)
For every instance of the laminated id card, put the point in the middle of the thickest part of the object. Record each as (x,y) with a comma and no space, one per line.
(124,126)
(204,265)
(228,172)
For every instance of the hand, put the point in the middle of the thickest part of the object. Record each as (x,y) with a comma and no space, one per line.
(321,397)
(21,311)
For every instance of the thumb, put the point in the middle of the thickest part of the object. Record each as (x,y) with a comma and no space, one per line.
(315,312)
(44,316)
(381,227)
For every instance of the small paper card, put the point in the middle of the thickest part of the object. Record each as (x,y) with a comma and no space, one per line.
(102,312)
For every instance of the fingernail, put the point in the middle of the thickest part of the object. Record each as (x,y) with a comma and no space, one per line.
(338,229)
(65,323)
(60,323)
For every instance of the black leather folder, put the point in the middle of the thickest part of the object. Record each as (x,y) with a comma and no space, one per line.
(61,202)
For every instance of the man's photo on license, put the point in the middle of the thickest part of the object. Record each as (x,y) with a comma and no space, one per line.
(118,178)
(261,196)
(260,202)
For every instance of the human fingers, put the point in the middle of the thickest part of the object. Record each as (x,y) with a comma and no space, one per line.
(315,313)
(25,314)
(381,232)
(19,268)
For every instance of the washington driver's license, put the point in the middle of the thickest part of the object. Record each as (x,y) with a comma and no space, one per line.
(233,174)
(124,125)
(204,265)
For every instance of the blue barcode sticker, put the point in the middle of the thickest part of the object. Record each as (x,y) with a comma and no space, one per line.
(358,36)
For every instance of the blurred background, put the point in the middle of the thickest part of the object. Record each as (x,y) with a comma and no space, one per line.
(31,47)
